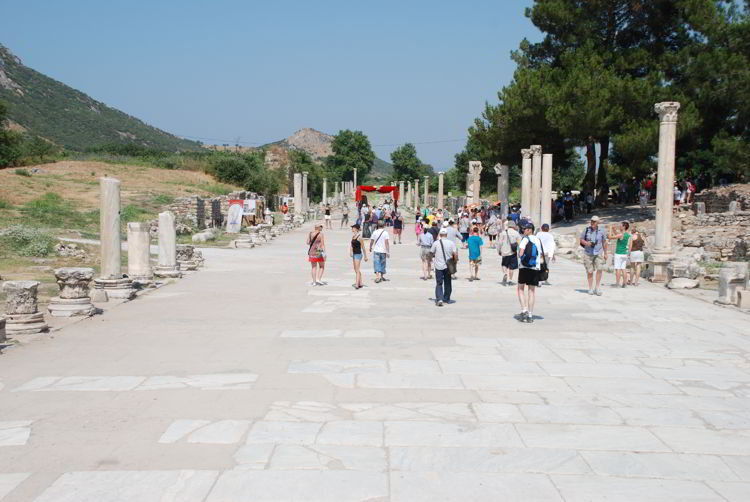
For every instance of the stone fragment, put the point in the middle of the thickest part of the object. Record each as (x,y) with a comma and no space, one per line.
(743,298)
(184,253)
(74,297)
(2,329)
(23,317)
(699,208)
(682,283)
(732,276)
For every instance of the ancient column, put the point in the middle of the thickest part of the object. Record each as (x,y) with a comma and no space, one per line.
(336,193)
(74,297)
(2,329)
(298,193)
(440,200)
(526,182)
(426,191)
(305,195)
(662,251)
(184,254)
(139,253)
(325,191)
(546,214)
(475,169)
(167,266)
(536,184)
(22,315)
(503,187)
(111,283)
(355,179)
(401,194)
(416,193)
(469,188)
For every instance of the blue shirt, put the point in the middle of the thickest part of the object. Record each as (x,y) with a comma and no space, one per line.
(475,244)
(596,236)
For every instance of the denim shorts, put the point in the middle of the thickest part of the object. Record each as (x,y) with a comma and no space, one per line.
(357,256)
(379,262)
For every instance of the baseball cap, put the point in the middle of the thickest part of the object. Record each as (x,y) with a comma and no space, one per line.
(443,231)
(595,218)
(445,224)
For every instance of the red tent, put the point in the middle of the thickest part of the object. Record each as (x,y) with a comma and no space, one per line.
(384,189)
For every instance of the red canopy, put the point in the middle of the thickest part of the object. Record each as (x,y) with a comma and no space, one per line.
(382,189)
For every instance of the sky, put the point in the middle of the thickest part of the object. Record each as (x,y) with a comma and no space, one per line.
(416,71)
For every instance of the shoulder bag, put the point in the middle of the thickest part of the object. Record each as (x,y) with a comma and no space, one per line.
(543,268)
(513,245)
(451,264)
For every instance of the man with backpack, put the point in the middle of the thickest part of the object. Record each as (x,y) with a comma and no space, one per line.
(594,244)
(531,258)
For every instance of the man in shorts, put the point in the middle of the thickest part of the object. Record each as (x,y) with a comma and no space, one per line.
(507,243)
(548,246)
(594,243)
(398,226)
(530,263)
(475,254)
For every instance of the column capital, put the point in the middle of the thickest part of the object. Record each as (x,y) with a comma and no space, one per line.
(667,110)
(526,153)
(536,150)
(475,166)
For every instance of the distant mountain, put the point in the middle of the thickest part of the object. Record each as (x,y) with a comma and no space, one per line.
(42,106)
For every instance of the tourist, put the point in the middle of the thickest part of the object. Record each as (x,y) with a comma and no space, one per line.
(635,256)
(677,196)
(475,244)
(357,251)
(327,216)
(549,247)
(594,243)
(284,208)
(568,207)
(463,227)
(622,236)
(530,257)
(453,234)
(589,202)
(398,226)
(418,228)
(493,228)
(344,215)
(446,257)
(643,197)
(316,254)
(507,246)
(434,230)
(425,255)
(388,216)
(381,250)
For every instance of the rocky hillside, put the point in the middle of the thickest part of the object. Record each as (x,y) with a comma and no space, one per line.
(42,106)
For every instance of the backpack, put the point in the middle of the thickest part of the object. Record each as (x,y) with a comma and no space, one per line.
(530,255)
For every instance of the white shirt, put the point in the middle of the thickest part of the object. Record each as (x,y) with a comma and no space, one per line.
(379,246)
(548,241)
(522,248)
(437,251)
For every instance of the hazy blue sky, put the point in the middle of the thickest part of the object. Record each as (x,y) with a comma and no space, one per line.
(400,71)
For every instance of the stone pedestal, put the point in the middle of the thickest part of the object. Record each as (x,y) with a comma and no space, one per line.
(298,209)
(662,252)
(184,255)
(74,297)
(23,316)
(699,208)
(111,282)
(733,276)
(546,203)
(167,266)
(536,185)
(526,182)
(139,253)
(441,200)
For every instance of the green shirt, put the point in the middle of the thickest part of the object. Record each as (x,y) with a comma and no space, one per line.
(622,244)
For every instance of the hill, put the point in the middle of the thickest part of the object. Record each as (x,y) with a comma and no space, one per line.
(42,106)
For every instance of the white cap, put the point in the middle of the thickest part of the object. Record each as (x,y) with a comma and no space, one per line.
(443,231)
(445,224)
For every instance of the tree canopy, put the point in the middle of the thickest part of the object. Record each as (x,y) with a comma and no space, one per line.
(351,150)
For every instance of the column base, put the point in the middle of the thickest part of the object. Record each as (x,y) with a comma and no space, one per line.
(660,264)
(69,307)
(167,272)
(115,288)
(25,324)
(188,265)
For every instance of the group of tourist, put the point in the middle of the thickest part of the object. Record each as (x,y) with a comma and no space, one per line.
(519,247)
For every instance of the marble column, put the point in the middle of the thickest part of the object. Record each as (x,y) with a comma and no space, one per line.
(546,211)
(325,191)
(2,329)
(440,200)
(167,266)
(336,193)
(305,195)
(22,312)
(407,201)
(503,187)
(475,169)
(662,251)
(139,253)
(526,182)
(536,184)
(469,188)
(426,191)
(401,194)
(74,297)
(111,282)
(416,193)
(298,194)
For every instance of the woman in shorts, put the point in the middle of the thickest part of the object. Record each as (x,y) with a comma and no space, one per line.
(635,256)
(425,244)
(357,251)
(316,254)
(622,236)
(398,226)
(328,216)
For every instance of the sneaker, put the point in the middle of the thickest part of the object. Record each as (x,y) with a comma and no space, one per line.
(529,317)
(505,281)
(591,291)
(623,285)
(598,292)
(522,316)
(439,303)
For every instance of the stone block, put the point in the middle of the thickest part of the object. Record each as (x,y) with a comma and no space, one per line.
(743,299)
(682,283)
(21,297)
(732,277)
(734,206)
(699,208)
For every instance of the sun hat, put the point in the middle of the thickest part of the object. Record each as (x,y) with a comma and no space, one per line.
(595,218)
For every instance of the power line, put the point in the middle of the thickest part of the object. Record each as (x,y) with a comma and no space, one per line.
(425,142)
(251,143)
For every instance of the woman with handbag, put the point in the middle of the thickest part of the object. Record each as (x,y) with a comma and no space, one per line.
(316,254)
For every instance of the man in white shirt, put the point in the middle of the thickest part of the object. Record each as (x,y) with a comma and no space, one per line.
(507,244)
(380,249)
(443,250)
(548,246)
(530,263)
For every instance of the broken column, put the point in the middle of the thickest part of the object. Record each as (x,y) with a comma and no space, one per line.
(298,193)
(139,253)
(21,309)
(167,266)
(426,191)
(2,329)
(475,170)
(355,179)
(546,211)
(503,187)
(111,282)
(184,256)
(526,182)
(325,191)
(416,194)
(536,184)
(74,297)
(441,200)
(662,251)
(305,195)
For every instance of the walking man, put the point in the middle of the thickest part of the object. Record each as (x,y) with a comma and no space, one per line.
(507,245)
(344,215)
(548,246)
(380,249)
(475,254)
(594,243)
(444,251)
(531,258)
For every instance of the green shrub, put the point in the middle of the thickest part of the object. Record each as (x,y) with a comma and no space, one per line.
(28,241)
(22,172)
(215,188)
(4,204)
(163,199)
(131,212)
(51,210)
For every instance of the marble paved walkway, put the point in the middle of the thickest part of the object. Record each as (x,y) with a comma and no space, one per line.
(244,383)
